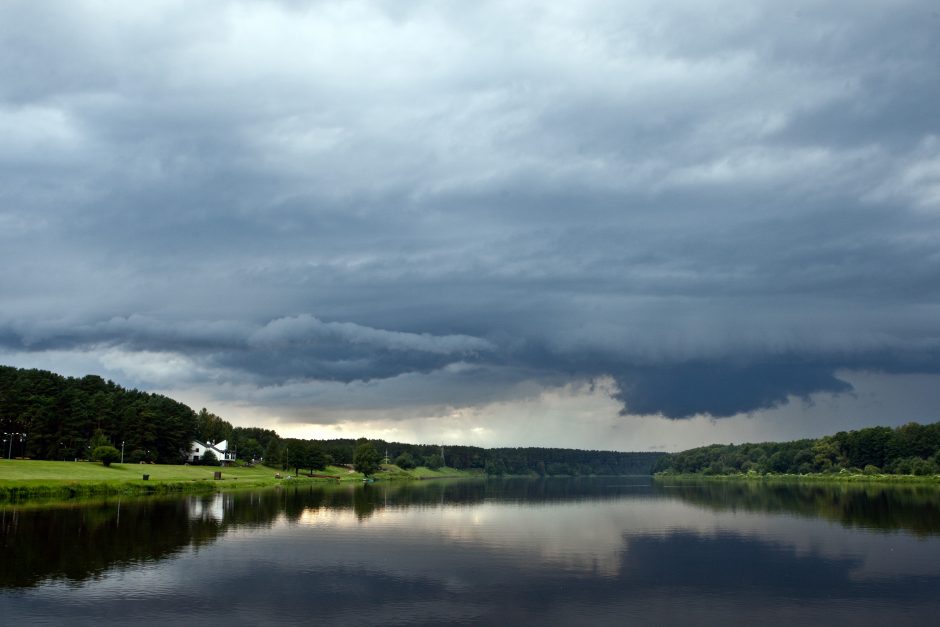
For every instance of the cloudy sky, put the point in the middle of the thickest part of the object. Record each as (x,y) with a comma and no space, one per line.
(637,226)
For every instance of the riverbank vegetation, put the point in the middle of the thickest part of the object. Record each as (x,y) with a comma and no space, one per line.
(876,453)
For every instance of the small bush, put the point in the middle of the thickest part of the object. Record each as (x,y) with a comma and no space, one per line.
(903,466)
(107,455)
(136,456)
(405,461)
(922,467)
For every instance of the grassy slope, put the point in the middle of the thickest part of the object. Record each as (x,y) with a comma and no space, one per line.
(29,478)
(392,472)
(29,470)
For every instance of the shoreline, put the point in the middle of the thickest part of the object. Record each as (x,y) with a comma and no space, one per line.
(26,480)
(33,481)
(807,478)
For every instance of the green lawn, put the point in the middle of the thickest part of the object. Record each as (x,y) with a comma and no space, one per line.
(21,479)
(422,472)
(29,470)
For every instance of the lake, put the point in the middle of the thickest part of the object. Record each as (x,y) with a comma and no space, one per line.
(611,551)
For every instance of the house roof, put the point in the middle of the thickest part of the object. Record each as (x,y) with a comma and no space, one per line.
(218,447)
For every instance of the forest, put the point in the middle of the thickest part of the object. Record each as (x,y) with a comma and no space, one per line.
(44,415)
(911,449)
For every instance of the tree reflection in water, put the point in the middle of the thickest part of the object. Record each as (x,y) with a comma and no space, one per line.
(78,541)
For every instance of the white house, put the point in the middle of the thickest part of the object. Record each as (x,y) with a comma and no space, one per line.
(219,449)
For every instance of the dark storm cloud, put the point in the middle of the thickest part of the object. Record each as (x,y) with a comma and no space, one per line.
(723,389)
(720,207)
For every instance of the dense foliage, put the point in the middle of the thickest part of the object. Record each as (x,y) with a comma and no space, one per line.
(366,459)
(56,417)
(909,449)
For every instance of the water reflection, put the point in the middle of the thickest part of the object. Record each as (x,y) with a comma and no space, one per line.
(914,508)
(76,543)
(530,552)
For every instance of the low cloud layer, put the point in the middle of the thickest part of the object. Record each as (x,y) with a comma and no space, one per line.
(718,208)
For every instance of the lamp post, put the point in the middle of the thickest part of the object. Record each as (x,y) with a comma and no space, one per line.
(10,436)
(122,451)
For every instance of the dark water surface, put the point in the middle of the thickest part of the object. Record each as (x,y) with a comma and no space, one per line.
(515,552)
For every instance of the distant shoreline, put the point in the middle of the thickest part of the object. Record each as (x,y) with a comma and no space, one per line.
(804,478)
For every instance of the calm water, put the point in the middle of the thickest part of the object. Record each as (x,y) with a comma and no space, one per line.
(565,552)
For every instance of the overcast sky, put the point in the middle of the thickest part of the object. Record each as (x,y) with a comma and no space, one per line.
(642,226)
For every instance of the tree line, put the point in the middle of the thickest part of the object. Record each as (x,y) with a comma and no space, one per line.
(911,449)
(493,461)
(44,415)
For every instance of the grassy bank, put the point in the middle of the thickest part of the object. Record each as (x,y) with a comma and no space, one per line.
(21,479)
(844,477)
(390,472)
(26,479)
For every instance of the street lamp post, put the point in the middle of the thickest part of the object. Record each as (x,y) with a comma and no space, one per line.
(122,451)
(10,436)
